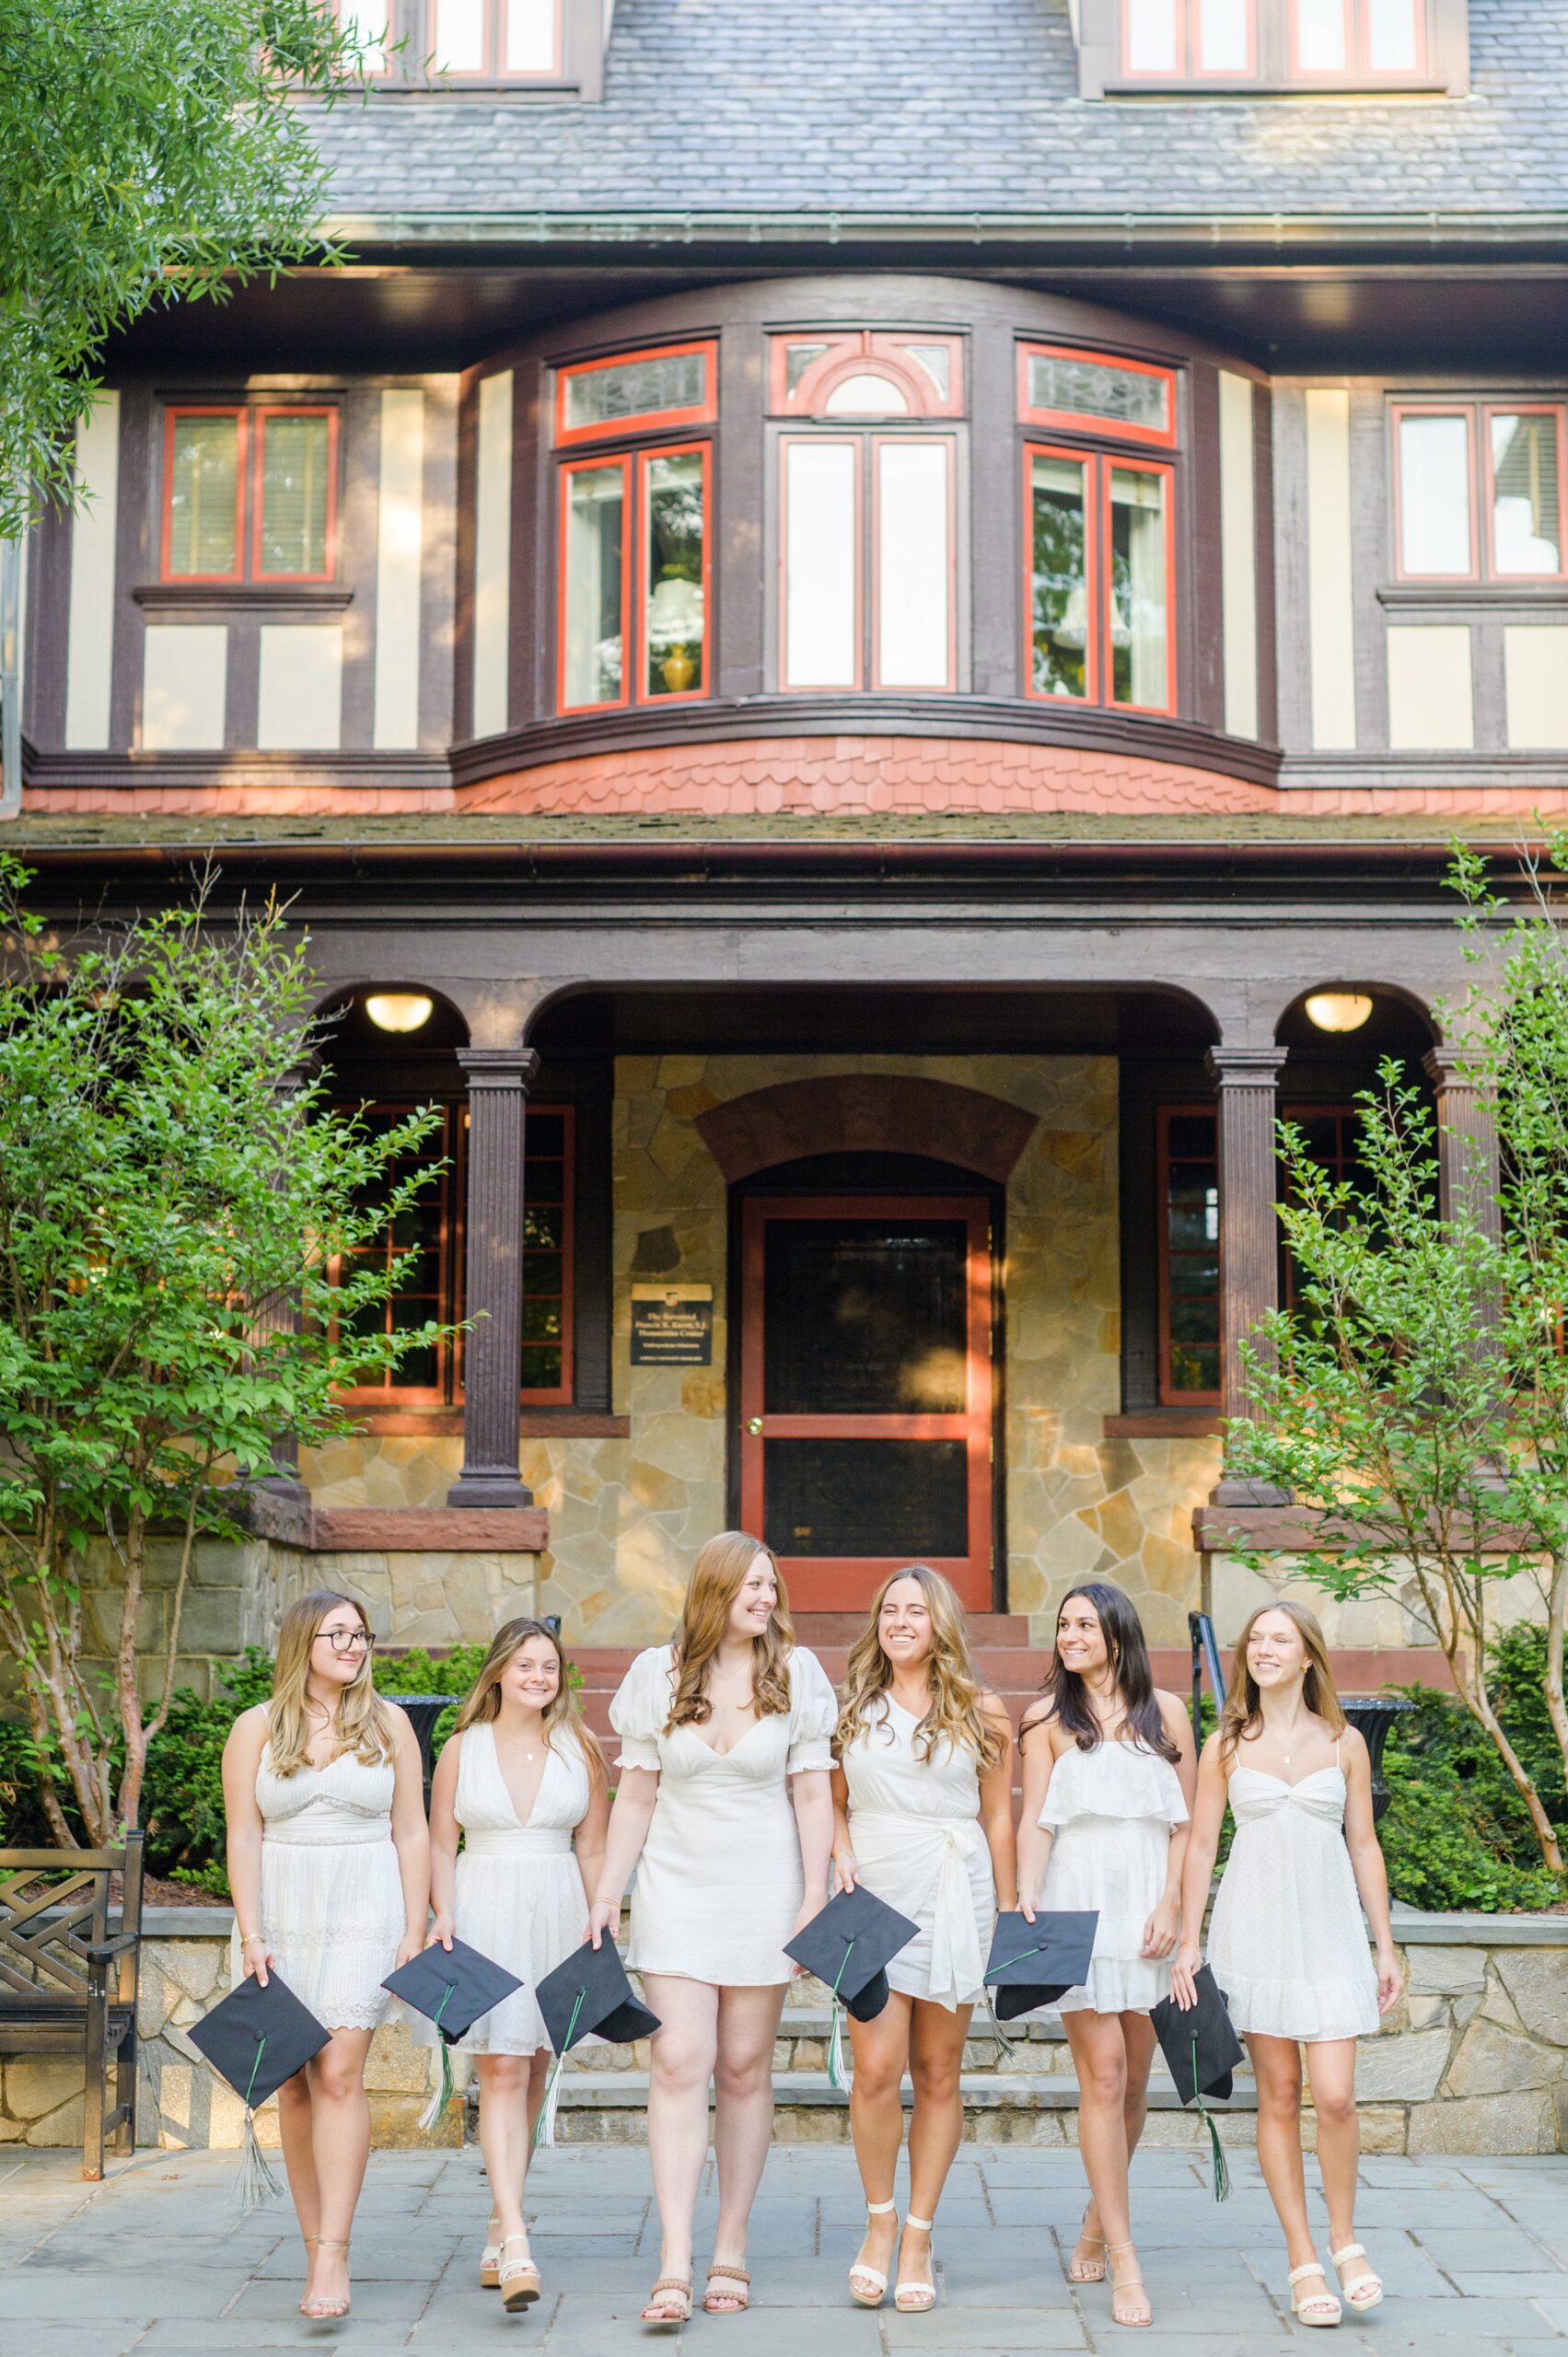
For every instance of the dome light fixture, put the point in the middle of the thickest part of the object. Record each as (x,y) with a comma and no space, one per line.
(400,1010)
(1338,1010)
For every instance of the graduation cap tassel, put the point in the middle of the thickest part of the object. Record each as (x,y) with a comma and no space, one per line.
(544,2133)
(443,2094)
(841,2073)
(1008,2044)
(1220,2166)
(256,2185)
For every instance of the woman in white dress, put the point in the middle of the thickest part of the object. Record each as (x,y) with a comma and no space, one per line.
(1109,1781)
(722,1807)
(523,1781)
(1286,1943)
(923,1817)
(329,1862)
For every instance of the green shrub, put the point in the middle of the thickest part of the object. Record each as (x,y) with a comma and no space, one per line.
(1456,1833)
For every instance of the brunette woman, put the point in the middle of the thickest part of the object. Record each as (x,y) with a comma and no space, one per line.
(722,1807)
(328,1861)
(1108,1786)
(524,1783)
(923,1817)
(1287,1944)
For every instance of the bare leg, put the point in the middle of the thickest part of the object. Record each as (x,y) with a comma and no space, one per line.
(340,2142)
(743,2124)
(682,2057)
(1098,2048)
(1138,2033)
(504,2133)
(1330,2066)
(877,2119)
(936,2128)
(299,2160)
(539,2080)
(1276,2065)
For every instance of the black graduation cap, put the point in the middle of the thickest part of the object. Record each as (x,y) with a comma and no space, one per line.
(1202,2049)
(589,1995)
(256,2038)
(452,1986)
(850,1945)
(1034,1964)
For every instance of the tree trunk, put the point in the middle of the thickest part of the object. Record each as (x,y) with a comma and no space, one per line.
(1475,1700)
(1556,1628)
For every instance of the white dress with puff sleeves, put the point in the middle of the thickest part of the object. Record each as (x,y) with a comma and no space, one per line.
(720,1883)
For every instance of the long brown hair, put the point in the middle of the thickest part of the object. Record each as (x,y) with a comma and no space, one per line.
(483,1702)
(717,1576)
(957,1694)
(1243,1707)
(1127,1649)
(363,1722)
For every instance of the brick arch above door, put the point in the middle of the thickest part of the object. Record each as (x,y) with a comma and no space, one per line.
(865,1112)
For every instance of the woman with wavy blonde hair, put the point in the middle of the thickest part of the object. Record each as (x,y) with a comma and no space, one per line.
(722,1807)
(923,1817)
(328,1861)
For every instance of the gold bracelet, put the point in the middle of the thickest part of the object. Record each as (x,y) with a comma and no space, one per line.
(246,1937)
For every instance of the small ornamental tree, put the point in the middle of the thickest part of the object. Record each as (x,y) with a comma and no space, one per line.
(1415,1402)
(182,1288)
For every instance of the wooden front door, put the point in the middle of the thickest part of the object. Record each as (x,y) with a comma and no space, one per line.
(865,1391)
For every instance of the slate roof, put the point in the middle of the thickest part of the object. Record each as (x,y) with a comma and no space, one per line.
(942,106)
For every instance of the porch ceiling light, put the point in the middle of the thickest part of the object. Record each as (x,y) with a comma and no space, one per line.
(399,1010)
(1338,1010)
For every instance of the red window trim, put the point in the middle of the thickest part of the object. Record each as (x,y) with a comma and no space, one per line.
(172,415)
(251,418)
(646,458)
(664,420)
(448,1287)
(1164,1115)
(864,352)
(328,410)
(605,459)
(1558,413)
(949,443)
(1080,422)
(1140,466)
(493,72)
(562,1393)
(855,439)
(634,466)
(1187,68)
(1398,411)
(1084,458)
(1358,71)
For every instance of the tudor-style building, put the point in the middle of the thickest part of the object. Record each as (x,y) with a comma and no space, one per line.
(879,619)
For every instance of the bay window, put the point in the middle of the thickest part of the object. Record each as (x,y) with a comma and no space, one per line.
(1478,491)
(250,493)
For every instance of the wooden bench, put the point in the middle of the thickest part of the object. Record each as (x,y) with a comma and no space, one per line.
(67,1984)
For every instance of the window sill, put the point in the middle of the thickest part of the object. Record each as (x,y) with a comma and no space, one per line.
(242,597)
(1216,86)
(1166,1423)
(1487,597)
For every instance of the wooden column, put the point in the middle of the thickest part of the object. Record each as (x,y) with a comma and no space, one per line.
(498,1085)
(1466,1143)
(1245,1080)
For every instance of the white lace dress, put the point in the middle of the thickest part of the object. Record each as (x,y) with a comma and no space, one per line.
(719,1883)
(1286,1941)
(332,1897)
(915,1830)
(1112,1812)
(519,1896)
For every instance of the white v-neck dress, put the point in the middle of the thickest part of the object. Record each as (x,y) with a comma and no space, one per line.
(331,1895)
(519,1896)
(914,1829)
(719,1883)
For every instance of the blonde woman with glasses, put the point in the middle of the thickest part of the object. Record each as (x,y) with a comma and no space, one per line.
(329,1862)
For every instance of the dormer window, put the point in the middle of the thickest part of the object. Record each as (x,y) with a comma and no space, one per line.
(1151,47)
(497,41)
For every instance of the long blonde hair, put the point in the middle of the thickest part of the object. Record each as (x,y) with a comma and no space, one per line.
(717,1576)
(1243,1709)
(362,1723)
(483,1702)
(957,1693)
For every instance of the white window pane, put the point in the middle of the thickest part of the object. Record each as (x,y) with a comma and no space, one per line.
(1392,39)
(367,22)
(459,36)
(595,666)
(914,564)
(1222,36)
(529,37)
(1151,36)
(1139,622)
(821,626)
(1320,36)
(1527,509)
(866,396)
(674,524)
(1434,495)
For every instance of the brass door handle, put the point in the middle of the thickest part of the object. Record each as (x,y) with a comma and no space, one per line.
(754,1425)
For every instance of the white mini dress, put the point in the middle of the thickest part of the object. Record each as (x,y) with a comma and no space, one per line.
(1287,1943)
(519,1896)
(1112,1812)
(915,1830)
(332,1910)
(719,1883)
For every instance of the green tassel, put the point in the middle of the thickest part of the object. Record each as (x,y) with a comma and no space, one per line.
(443,2095)
(1220,2166)
(841,2074)
(256,2182)
(544,2129)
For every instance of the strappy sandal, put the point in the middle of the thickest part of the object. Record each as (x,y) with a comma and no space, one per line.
(738,2301)
(1366,2292)
(1319,2309)
(324,2311)
(913,2296)
(675,2308)
(1133,2282)
(873,2280)
(519,2277)
(308,2240)
(490,2256)
(1087,2271)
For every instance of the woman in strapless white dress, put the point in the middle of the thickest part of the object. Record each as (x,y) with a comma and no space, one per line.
(523,1783)
(923,1817)
(1108,1780)
(723,1808)
(1287,1944)
(328,1863)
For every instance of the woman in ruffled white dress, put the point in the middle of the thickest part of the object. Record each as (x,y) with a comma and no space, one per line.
(1108,1779)
(923,1817)
(329,1862)
(523,1783)
(723,1808)
(1286,1942)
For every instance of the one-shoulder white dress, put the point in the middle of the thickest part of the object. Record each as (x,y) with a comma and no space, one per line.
(1286,1940)
(1112,1812)
(519,1896)
(332,1897)
(915,1830)
(719,1883)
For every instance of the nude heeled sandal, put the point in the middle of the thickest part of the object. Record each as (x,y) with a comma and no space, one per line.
(669,2302)
(871,2276)
(519,2277)
(490,2256)
(1133,2282)
(1366,2292)
(913,2297)
(308,2240)
(320,2309)
(1087,2271)
(1327,2308)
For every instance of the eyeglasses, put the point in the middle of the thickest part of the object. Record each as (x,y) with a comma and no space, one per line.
(347,1640)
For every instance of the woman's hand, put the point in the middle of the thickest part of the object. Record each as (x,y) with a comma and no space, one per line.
(1160,1932)
(257,1959)
(440,1932)
(1390,1980)
(1183,1975)
(604,1916)
(413,1944)
(845,1873)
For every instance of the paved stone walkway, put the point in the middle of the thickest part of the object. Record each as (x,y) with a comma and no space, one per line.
(1474,2253)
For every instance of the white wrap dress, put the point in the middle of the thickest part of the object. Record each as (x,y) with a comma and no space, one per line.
(915,1830)
(1287,1943)
(719,1883)
(331,1897)
(1112,1812)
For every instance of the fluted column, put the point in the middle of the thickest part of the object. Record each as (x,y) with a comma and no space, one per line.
(498,1085)
(1245,1080)
(1466,1143)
